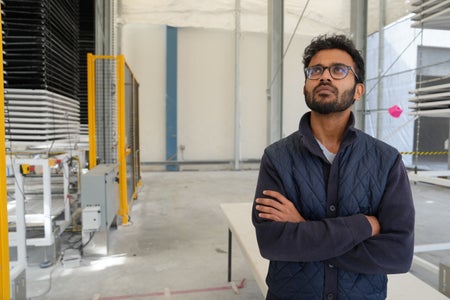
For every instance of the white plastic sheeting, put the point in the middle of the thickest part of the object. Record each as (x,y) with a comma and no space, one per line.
(408,54)
(398,77)
(319,16)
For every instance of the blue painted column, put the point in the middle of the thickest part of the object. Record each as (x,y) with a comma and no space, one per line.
(171,96)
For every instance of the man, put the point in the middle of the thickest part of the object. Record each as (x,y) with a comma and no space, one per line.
(333,209)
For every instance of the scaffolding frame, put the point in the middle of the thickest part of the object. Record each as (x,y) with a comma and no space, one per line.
(45,218)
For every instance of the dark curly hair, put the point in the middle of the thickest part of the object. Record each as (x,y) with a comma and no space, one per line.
(342,42)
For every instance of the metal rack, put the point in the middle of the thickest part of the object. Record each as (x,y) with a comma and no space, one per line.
(43,209)
(41,45)
(432,97)
(431,14)
(40,115)
(40,207)
(431,101)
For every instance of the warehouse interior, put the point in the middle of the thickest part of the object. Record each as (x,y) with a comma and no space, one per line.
(128,124)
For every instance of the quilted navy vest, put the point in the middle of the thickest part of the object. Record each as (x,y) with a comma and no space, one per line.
(357,179)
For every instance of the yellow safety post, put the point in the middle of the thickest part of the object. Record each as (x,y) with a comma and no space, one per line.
(122,146)
(91,111)
(4,243)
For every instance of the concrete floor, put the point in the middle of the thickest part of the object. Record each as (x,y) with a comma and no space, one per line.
(176,244)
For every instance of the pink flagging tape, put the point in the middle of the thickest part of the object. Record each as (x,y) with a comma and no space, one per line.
(159,294)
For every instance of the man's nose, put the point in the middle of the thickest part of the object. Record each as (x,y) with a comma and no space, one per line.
(326,75)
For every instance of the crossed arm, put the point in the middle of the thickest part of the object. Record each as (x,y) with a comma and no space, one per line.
(363,244)
(278,208)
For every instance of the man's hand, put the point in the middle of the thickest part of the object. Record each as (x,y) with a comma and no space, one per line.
(376,228)
(281,209)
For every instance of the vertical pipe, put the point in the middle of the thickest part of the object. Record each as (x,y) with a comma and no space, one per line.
(119,23)
(47,193)
(230,248)
(134,133)
(66,194)
(4,243)
(20,225)
(275,12)
(448,147)
(358,28)
(381,24)
(237,87)
(121,144)
(171,96)
(91,111)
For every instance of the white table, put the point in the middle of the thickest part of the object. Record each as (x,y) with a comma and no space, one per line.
(238,215)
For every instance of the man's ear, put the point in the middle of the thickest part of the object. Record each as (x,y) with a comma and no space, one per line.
(304,91)
(359,91)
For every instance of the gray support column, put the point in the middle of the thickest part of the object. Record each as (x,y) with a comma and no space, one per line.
(358,28)
(275,12)
(119,27)
(381,24)
(448,145)
(104,28)
(237,85)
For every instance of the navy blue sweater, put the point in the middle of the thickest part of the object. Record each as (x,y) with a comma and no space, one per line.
(332,255)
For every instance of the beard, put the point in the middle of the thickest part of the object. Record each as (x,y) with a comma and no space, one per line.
(339,104)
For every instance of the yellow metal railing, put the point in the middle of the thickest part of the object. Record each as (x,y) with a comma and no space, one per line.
(119,101)
(4,243)
(91,111)
(122,147)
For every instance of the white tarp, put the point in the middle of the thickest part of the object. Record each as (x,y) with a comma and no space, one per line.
(319,16)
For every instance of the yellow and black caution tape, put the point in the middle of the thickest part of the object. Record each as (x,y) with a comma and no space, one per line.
(426,153)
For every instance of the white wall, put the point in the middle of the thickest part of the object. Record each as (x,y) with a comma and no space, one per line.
(206,94)
(144,49)
(206,90)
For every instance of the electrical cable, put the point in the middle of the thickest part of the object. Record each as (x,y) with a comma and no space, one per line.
(385,138)
(367,102)
(367,109)
(50,280)
(288,45)
(71,244)
(440,63)
(392,64)
(91,236)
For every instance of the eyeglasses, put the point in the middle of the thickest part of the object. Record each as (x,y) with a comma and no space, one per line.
(337,71)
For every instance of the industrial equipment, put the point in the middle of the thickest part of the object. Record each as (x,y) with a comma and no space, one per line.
(99,203)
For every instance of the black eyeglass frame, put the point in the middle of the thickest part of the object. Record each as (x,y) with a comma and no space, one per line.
(348,68)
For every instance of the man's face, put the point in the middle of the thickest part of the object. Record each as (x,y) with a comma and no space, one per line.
(327,95)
